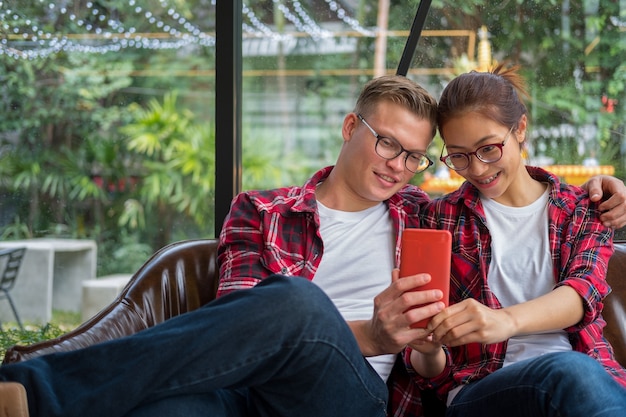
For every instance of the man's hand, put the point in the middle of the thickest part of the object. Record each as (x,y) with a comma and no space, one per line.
(614,207)
(389,330)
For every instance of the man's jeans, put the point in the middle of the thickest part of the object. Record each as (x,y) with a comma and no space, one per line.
(556,384)
(278,349)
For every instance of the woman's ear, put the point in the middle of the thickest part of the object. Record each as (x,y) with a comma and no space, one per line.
(520,132)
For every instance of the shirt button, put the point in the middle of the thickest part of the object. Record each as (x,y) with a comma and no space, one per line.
(284,271)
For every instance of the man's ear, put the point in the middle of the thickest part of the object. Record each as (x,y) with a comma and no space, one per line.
(349,126)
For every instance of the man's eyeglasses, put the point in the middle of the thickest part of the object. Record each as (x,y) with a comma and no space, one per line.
(488,154)
(390,148)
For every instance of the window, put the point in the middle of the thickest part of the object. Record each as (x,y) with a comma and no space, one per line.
(108,128)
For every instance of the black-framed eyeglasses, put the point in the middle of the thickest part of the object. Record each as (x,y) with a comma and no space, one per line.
(488,154)
(390,148)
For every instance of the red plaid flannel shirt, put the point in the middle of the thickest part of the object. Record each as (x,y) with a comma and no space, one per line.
(277,231)
(581,247)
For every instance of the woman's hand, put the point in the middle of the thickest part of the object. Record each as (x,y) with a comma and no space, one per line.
(471,322)
(427,357)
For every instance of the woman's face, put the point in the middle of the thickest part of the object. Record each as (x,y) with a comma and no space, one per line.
(500,180)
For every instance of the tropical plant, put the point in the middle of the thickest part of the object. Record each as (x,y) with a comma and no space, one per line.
(175,164)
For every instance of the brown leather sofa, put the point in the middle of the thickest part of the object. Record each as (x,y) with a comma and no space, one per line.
(183,276)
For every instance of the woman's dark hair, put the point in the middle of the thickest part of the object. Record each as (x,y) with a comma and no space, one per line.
(495,94)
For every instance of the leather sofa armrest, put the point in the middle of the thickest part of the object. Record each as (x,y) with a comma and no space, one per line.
(615,303)
(178,278)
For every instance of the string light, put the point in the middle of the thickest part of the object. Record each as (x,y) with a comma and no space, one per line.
(302,22)
(258,29)
(99,33)
(111,37)
(341,13)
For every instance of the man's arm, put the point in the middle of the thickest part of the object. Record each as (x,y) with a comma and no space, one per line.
(240,247)
(614,206)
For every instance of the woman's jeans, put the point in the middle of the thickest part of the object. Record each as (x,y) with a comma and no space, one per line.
(278,349)
(556,384)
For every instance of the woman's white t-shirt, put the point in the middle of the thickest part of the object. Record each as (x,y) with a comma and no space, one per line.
(521,269)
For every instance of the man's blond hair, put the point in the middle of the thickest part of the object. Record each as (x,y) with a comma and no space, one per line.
(399,90)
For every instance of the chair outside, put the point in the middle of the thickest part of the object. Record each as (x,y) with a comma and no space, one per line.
(11,259)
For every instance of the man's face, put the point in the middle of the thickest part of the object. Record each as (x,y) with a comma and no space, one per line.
(369,177)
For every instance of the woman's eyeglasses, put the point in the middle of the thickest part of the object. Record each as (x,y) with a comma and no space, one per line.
(488,154)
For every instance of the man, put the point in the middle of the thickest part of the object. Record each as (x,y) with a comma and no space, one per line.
(285,346)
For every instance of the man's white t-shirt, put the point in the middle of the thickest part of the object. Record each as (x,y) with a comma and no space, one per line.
(359,250)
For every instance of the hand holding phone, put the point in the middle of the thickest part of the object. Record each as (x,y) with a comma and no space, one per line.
(427,251)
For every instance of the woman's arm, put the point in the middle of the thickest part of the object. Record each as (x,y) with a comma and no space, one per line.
(585,246)
(472,322)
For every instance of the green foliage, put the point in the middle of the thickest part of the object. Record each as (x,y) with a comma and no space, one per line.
(15,231)
(61,323)
(15,336)
(571,57)
(261,170)
(124,255)
(71,172)
(176,163)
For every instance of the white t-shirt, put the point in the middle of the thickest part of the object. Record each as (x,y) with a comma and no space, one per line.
(359,250)
(521,269)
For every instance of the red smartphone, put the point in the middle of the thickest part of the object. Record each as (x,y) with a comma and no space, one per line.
(427,251)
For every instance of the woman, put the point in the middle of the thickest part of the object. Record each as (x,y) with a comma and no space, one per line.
(523,333)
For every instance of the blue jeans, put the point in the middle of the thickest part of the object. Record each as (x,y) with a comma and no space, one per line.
(278,349)
(556,384)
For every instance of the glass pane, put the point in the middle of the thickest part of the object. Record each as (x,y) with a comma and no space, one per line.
(107,136)
(304,63)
